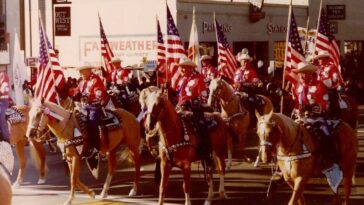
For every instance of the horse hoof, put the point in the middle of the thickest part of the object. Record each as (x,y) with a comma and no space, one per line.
(133,192)
(222,195)
(16,185)
(103,195)
(92,194)
(41,181)
(67,203)
(228,168)
(207,202)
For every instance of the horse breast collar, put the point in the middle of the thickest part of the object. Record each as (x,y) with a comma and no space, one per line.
(185,142)
(289,158)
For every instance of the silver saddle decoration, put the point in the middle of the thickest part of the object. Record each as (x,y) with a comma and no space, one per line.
(334,175)
(6,156)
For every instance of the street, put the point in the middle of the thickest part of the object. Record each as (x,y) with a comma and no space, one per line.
(244,184)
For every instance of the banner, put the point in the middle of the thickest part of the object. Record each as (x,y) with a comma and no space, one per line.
(19,72)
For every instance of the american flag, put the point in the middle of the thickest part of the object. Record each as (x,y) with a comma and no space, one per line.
(106,51)
(161,55)
(193,51)
(50,73)
(294,51)
(226,59)
(175,51)
(325,39)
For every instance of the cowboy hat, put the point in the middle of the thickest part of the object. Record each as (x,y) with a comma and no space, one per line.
(304,67)
(115,60)
(205,57)
(85,66)
(322,54)
(186,62)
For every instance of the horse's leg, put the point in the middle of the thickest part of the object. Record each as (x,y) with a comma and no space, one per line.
(220,170)
(186,183)
(41,154)
(165,171)
(22,162)
(210,194)
(297,191)
(230,148)
(136,158)
(111,168)
(72,190)
(348,174)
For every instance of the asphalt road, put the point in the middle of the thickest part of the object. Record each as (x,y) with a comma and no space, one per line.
(244,184)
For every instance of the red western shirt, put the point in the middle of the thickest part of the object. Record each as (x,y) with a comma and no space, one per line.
(4,85)
(192,87)
(94,88)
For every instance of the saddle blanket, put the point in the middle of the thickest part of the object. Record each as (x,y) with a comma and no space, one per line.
(14,116)
(111,120)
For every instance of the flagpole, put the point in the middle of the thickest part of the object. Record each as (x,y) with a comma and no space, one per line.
(46,41)
(306,36)
(318,24)
(156,71)
(285,53)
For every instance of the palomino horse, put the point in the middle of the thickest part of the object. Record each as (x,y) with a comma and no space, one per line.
(17,137)
(41,114)
(178,143)
(233,113)
(296,151)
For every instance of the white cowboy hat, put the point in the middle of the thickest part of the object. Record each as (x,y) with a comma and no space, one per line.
(322,54)
(304,67)
(84,66)
(115,60)
(205,57)
(186,62)
(243,56)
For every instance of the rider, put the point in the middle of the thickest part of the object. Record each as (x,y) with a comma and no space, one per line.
(120,79)
(4,104)
(313,106)
(246,78)
(208,71)
(192,94)
(93,94)
(330,75)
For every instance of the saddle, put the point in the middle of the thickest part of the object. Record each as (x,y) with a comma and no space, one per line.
(111,120)
(14,116)
(251,102)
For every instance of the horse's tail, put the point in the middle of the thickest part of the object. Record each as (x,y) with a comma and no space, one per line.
(36,159)
(126,155)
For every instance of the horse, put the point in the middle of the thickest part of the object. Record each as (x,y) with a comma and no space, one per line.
(17,137)
(296,151)
(234,114)
(178,143)
(351,113)
(41,114)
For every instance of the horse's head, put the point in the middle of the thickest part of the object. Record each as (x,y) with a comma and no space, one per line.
(37,120)
(144,94)
(154,103)
(216,90)
(267,136)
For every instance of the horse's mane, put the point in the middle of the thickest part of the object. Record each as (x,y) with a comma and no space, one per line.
(57,109)
(287,124)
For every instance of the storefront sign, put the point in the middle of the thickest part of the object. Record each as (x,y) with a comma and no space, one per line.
(62,21)
(279,49)
(210,27)
(333,26)
(31,62)
(336,12)
(274,28)
(131,49)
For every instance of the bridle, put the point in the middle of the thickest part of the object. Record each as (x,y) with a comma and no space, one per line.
(265,142)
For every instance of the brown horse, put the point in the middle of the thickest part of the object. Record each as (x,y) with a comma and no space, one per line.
(178,143)
(233,113)
(40,116)
(281,136)
(350,114)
